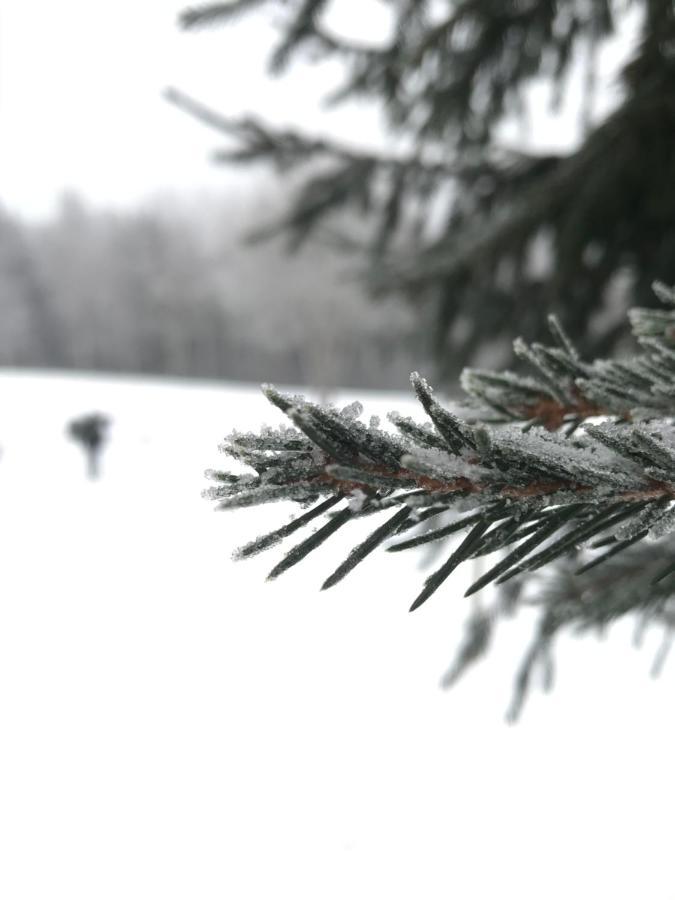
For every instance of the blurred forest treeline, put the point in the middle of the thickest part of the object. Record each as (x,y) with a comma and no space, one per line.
(173,289)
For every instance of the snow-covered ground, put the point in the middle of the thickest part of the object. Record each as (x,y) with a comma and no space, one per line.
(173,727)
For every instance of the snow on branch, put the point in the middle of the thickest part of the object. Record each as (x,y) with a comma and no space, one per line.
(524,483)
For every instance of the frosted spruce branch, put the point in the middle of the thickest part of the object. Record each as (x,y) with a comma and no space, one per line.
(552,490)
(593,467)
(561,390)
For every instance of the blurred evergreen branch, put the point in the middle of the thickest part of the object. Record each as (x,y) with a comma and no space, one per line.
(459,220)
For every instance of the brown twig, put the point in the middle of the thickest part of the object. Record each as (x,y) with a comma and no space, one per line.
(654,490)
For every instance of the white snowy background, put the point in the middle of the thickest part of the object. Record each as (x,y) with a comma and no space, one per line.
(172,727)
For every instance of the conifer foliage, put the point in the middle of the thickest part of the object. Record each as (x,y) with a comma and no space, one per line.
(573,460)
(575,233)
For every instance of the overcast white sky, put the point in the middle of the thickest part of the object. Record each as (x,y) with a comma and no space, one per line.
(81,105)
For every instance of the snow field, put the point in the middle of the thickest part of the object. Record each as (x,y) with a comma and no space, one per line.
(174,727)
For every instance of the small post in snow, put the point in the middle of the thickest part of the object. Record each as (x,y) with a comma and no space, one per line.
(90,432)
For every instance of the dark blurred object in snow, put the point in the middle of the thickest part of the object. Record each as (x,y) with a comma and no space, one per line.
(91,432)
